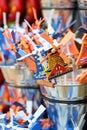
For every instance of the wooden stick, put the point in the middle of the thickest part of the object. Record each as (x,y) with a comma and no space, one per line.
(45,83)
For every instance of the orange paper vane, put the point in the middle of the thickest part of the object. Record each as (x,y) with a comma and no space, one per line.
(82,78)
(47,38)
(8,35)
(31,64)
(82,58)
(64,41)
(71,49)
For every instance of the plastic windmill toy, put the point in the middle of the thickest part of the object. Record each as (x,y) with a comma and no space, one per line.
(49,51)
(44,55)
(82,58)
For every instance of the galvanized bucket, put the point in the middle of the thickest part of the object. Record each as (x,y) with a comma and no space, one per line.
(82,4)
(18,75)
(21,84)
(66,103)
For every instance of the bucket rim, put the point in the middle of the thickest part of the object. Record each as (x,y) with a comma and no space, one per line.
(70,85)
(15,66)
(12,85)
(68,101)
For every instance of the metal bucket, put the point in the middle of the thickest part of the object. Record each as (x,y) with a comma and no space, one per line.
(66,103)
(18,75)
(21,85)
(59,13)
(82,4)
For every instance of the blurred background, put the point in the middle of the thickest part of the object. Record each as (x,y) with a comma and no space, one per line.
(43,8)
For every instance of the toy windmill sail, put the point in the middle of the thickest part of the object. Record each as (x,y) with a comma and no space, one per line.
(70,49)
(82,58)
(57,61)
